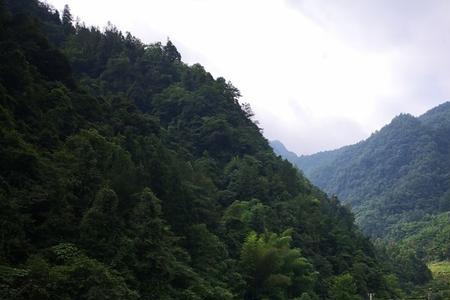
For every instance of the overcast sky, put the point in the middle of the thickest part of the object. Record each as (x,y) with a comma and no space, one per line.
(319,74)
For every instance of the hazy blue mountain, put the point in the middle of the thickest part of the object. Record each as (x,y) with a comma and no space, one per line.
(281,150)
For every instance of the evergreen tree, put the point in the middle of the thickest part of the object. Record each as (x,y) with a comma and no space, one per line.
(67,20)
(171,52)
(99,228)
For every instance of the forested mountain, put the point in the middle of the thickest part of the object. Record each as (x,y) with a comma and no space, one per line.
(128,174)
(397,181)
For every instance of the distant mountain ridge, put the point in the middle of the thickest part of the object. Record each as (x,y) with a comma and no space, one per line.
(280,149)
(397,177)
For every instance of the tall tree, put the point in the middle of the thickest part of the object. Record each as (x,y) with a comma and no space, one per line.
(100,225)
(171,51)
(67,20)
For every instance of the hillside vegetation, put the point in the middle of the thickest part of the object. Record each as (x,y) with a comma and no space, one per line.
(128,174)
(397,181)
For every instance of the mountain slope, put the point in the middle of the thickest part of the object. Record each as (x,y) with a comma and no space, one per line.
(127,174)
(400,174)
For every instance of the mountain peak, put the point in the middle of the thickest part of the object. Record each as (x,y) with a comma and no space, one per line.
(438,116)
(403,118)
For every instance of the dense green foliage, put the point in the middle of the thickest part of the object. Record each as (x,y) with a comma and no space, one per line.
(127,174)
(397,181)
(429,236)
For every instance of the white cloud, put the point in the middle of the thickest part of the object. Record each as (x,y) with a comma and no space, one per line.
(318,74)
